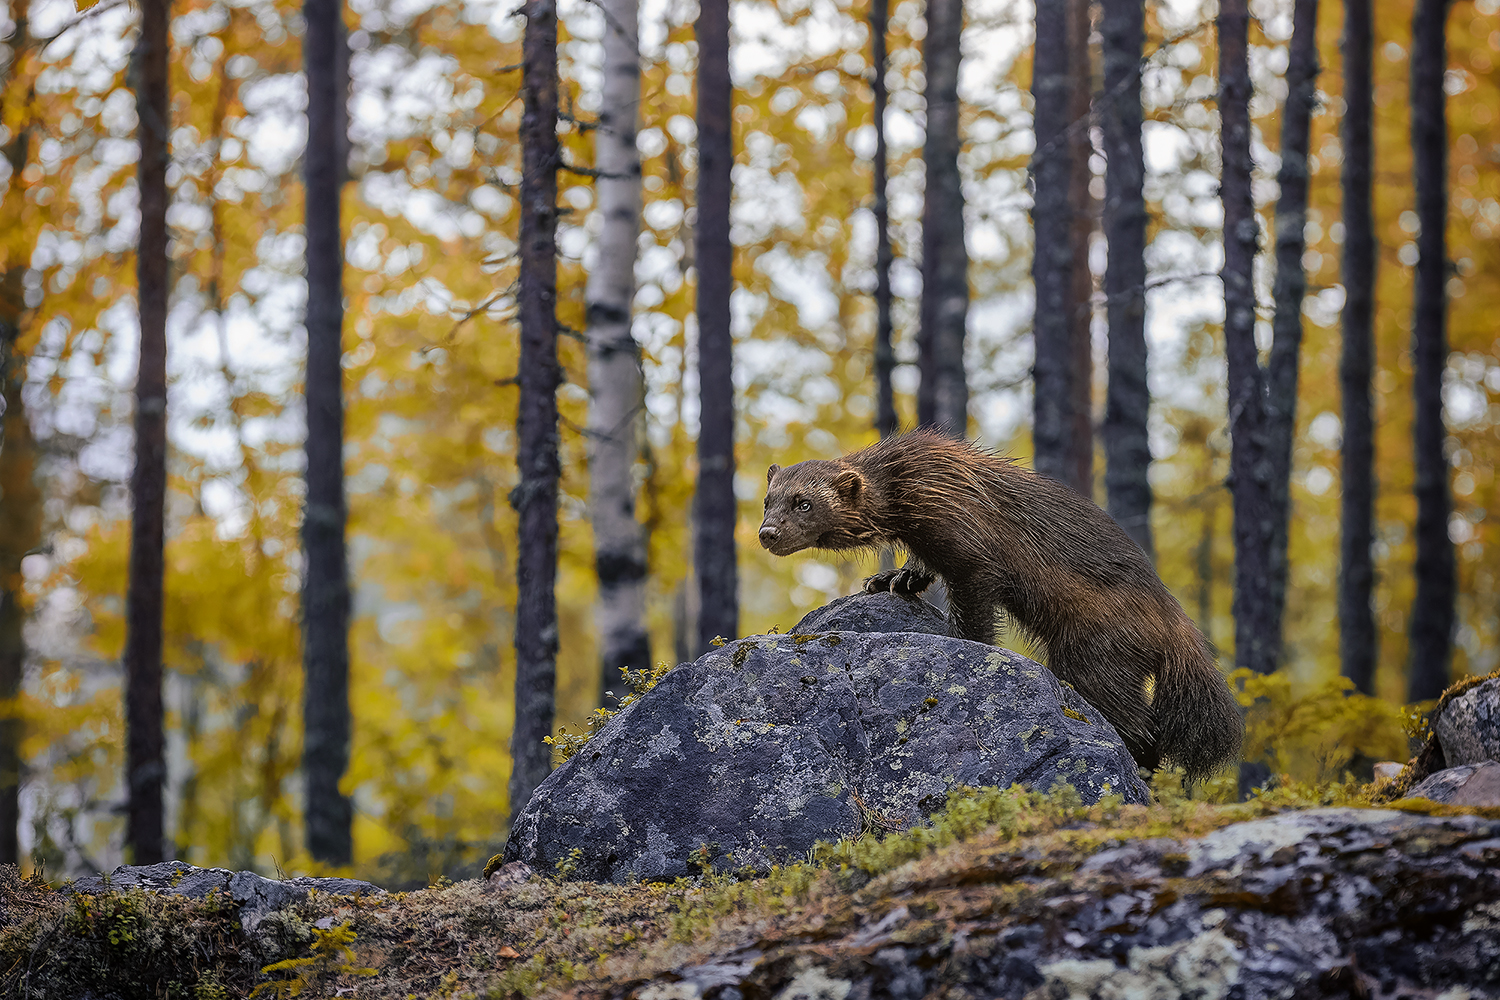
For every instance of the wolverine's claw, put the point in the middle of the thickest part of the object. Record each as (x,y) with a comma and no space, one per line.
(910,583)
(903,582)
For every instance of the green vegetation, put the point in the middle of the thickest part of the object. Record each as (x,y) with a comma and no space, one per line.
(331,956)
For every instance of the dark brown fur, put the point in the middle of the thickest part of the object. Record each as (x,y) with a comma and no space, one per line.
(1002,536)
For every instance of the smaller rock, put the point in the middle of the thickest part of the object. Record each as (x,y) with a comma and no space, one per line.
(1467,785)
(511,873)
(1469,726)
(258,896)
(883,612)
(173,877)
(1388,770)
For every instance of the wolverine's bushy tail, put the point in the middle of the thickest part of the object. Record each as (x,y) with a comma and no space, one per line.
(1196,717)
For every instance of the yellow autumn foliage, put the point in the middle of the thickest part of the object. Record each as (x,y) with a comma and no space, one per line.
(431,347)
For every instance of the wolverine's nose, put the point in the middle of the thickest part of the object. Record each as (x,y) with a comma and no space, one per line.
(767,534)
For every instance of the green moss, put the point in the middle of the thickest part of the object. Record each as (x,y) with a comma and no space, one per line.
(55,944)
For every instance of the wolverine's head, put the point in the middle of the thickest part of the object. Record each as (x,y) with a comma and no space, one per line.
(813,505)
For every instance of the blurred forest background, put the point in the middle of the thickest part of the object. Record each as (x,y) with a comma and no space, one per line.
(431,214)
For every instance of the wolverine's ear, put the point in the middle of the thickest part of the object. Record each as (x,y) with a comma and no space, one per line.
(771,473)
(848,484)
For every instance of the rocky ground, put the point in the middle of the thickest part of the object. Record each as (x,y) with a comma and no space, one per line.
(1006,895)
(831,815)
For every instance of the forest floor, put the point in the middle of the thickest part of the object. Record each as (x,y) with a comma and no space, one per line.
(547,935)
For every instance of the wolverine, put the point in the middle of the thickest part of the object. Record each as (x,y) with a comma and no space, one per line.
(1003,537)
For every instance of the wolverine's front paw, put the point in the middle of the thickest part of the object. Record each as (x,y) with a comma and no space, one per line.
(902,582)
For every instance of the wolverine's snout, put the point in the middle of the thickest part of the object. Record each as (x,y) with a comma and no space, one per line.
(768,533)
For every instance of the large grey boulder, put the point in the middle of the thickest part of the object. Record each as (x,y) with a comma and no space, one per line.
(1469,726)
(257,895)
(761,748)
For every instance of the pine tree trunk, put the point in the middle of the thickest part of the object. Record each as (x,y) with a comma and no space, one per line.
(1052,259)
(535,498)
(1357,571)
(1432,614)
(1127,448)
(145,767)
(20,499)
(714,506)
(943,396)
(1289,287)
(616,382)
(20,531)
(1256,634)
(885,354)
(1078,459)
(328,813)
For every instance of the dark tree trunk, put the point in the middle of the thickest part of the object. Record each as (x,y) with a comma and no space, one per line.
(1052,261)
(1078,458)
(328,813)
(20,500)
(1432,614)
(1127,449)
(1289,287)
(943,396)
(535,499)
(616,382)
(714,506)
(1357,571)
(885,354)
(1256,632)
(145,767)
(20,530)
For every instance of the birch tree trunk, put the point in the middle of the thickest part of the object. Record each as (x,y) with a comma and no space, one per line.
(1052,258)
(1357,571)
(1432,613)
(327,813)
(943,396)
(616,384)
(714,506)
(145,767)
(1127,448)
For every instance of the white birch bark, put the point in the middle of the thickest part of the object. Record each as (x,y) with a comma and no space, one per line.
(616,413)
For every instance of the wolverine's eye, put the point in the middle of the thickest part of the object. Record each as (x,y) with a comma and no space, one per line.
(805,505)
